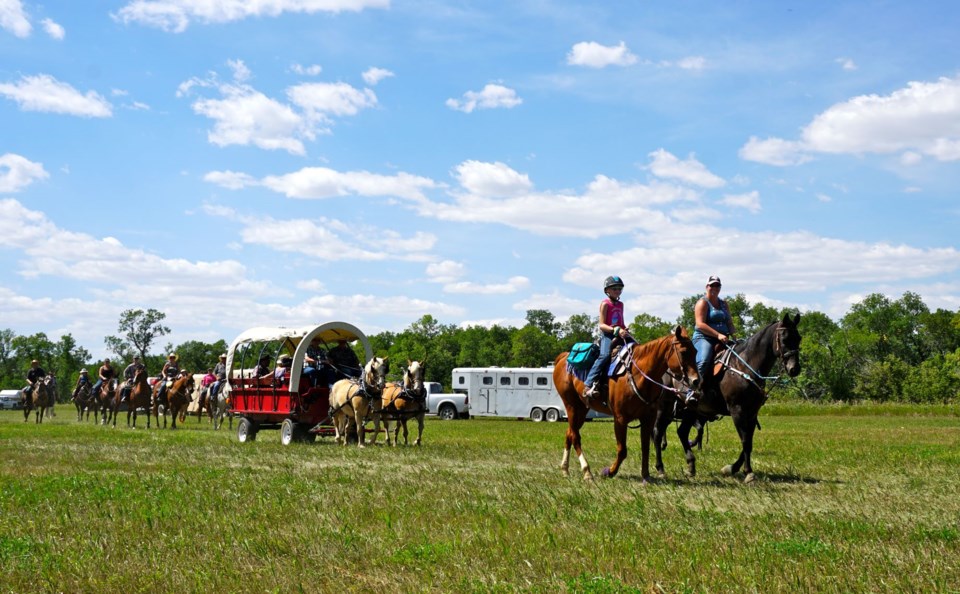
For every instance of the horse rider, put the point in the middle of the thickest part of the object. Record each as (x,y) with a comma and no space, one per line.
(34,376)
(104,374)
(220,371)
(612,326)
(83,380)
(129,372)
(208,380)
(344,360)
(170,371)
(714,325)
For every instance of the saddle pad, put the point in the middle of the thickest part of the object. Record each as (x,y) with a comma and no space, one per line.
(621,361)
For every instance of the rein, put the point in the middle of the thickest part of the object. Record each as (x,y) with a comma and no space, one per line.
(633,382)
(774,379)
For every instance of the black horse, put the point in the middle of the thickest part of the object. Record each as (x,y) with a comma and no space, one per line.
(742,391)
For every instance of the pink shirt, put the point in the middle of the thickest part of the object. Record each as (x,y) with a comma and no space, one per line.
(208,379)
(614,313)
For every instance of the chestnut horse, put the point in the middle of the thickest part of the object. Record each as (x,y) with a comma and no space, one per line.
(139,398)
(632,396)
(402,401)
(742,391)
(178,396)
(354,399)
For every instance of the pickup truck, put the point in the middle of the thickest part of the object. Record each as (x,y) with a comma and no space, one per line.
(446,406)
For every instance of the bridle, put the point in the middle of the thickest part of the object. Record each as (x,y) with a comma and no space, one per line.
(675,352)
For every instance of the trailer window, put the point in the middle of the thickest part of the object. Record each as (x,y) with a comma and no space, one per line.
(523,381)
(541,381)
(505,381)
(487,380)
(461,380)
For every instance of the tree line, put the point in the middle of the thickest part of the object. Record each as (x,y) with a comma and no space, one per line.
(880,350)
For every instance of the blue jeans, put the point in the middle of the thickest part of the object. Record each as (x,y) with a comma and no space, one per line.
(96,386)
(603,359)
(705,350)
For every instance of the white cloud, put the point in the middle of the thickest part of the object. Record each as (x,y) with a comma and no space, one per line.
(46,94)
(491,97)
(824,197)
(593,55)
(320,99)
(692,63)
(53,29)
(18,172)
(176,15)
(492,179)
(446,271)
(322,182)
(312,70)
(923,117)
(247,117)
(690,171)
(910,158)
(240,71)
(749,201)
(14,19)
(513,284)
(774,151)
(374,75)
(846,63)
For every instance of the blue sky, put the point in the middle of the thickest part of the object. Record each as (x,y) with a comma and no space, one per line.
(285,162)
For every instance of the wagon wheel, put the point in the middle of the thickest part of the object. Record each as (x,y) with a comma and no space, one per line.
(536,415)
(553,415)
(288,432)
(246,430)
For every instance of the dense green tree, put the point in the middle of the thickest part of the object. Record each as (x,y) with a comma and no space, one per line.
(532,347)
(577,328)
(940,330)
(197,356)
(936,380)
(893,325)
(646,327)
(882,381)
(138,330)
(544,320)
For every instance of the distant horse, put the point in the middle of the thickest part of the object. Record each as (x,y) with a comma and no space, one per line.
(354,399)
(178,396)
(106,396)
(140,397)
(85,402)
(401,401)
(39,398)
(220,405)
(632,396)
(51,382)
(741,377)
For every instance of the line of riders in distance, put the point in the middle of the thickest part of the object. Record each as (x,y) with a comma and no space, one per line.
(324,367)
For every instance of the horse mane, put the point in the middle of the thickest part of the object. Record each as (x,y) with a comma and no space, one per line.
(640,350)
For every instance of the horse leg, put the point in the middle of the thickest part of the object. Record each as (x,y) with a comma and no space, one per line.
(746,440)
(620,432)
(419,429)
(575,420)
(646,436)
(683,433)
(406,433)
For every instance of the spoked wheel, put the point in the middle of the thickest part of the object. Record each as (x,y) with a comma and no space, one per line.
(246,430)
(536,415)
(553,415)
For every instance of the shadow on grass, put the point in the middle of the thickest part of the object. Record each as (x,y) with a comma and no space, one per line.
(718,480)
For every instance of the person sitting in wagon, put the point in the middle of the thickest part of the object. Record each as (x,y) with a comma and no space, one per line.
(344,360)
(262,374)
(282,373)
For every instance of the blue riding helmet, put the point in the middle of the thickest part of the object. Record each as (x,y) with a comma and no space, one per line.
(612,282)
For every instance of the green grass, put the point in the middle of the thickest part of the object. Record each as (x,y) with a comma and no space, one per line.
(862,501)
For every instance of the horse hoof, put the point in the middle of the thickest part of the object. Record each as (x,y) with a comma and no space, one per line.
(605,473)
(727,470)
(661,474)
(749,478)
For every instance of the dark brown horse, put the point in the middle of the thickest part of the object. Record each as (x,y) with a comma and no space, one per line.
(39,398)
(177,397)
(630,397)
(742,381)
(139,398)
(85,402)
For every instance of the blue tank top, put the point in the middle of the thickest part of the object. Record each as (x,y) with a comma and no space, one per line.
(716,319)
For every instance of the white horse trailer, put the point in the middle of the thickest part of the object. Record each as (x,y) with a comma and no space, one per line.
(516,392)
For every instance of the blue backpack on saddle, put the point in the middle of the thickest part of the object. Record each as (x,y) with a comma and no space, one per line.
(582,355)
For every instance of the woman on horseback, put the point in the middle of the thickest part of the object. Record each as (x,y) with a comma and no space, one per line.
(714,325)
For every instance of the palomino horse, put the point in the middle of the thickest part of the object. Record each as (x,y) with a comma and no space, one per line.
(742,384)
(139,398)
(108,393)
(632,396)
(178,396)
(85,402)
(402,401)
(354,399)
(39,399)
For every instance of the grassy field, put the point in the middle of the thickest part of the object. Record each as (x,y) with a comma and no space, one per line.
(862,500)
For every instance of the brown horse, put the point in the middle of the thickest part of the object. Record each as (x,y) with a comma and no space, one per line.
(139,398)
(39,399)
(742,391)
(402,401)
(354,399)
(85,402)
(105,398)
(178,396)
(630,397)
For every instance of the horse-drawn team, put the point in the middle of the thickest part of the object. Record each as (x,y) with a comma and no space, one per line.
(690,379)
